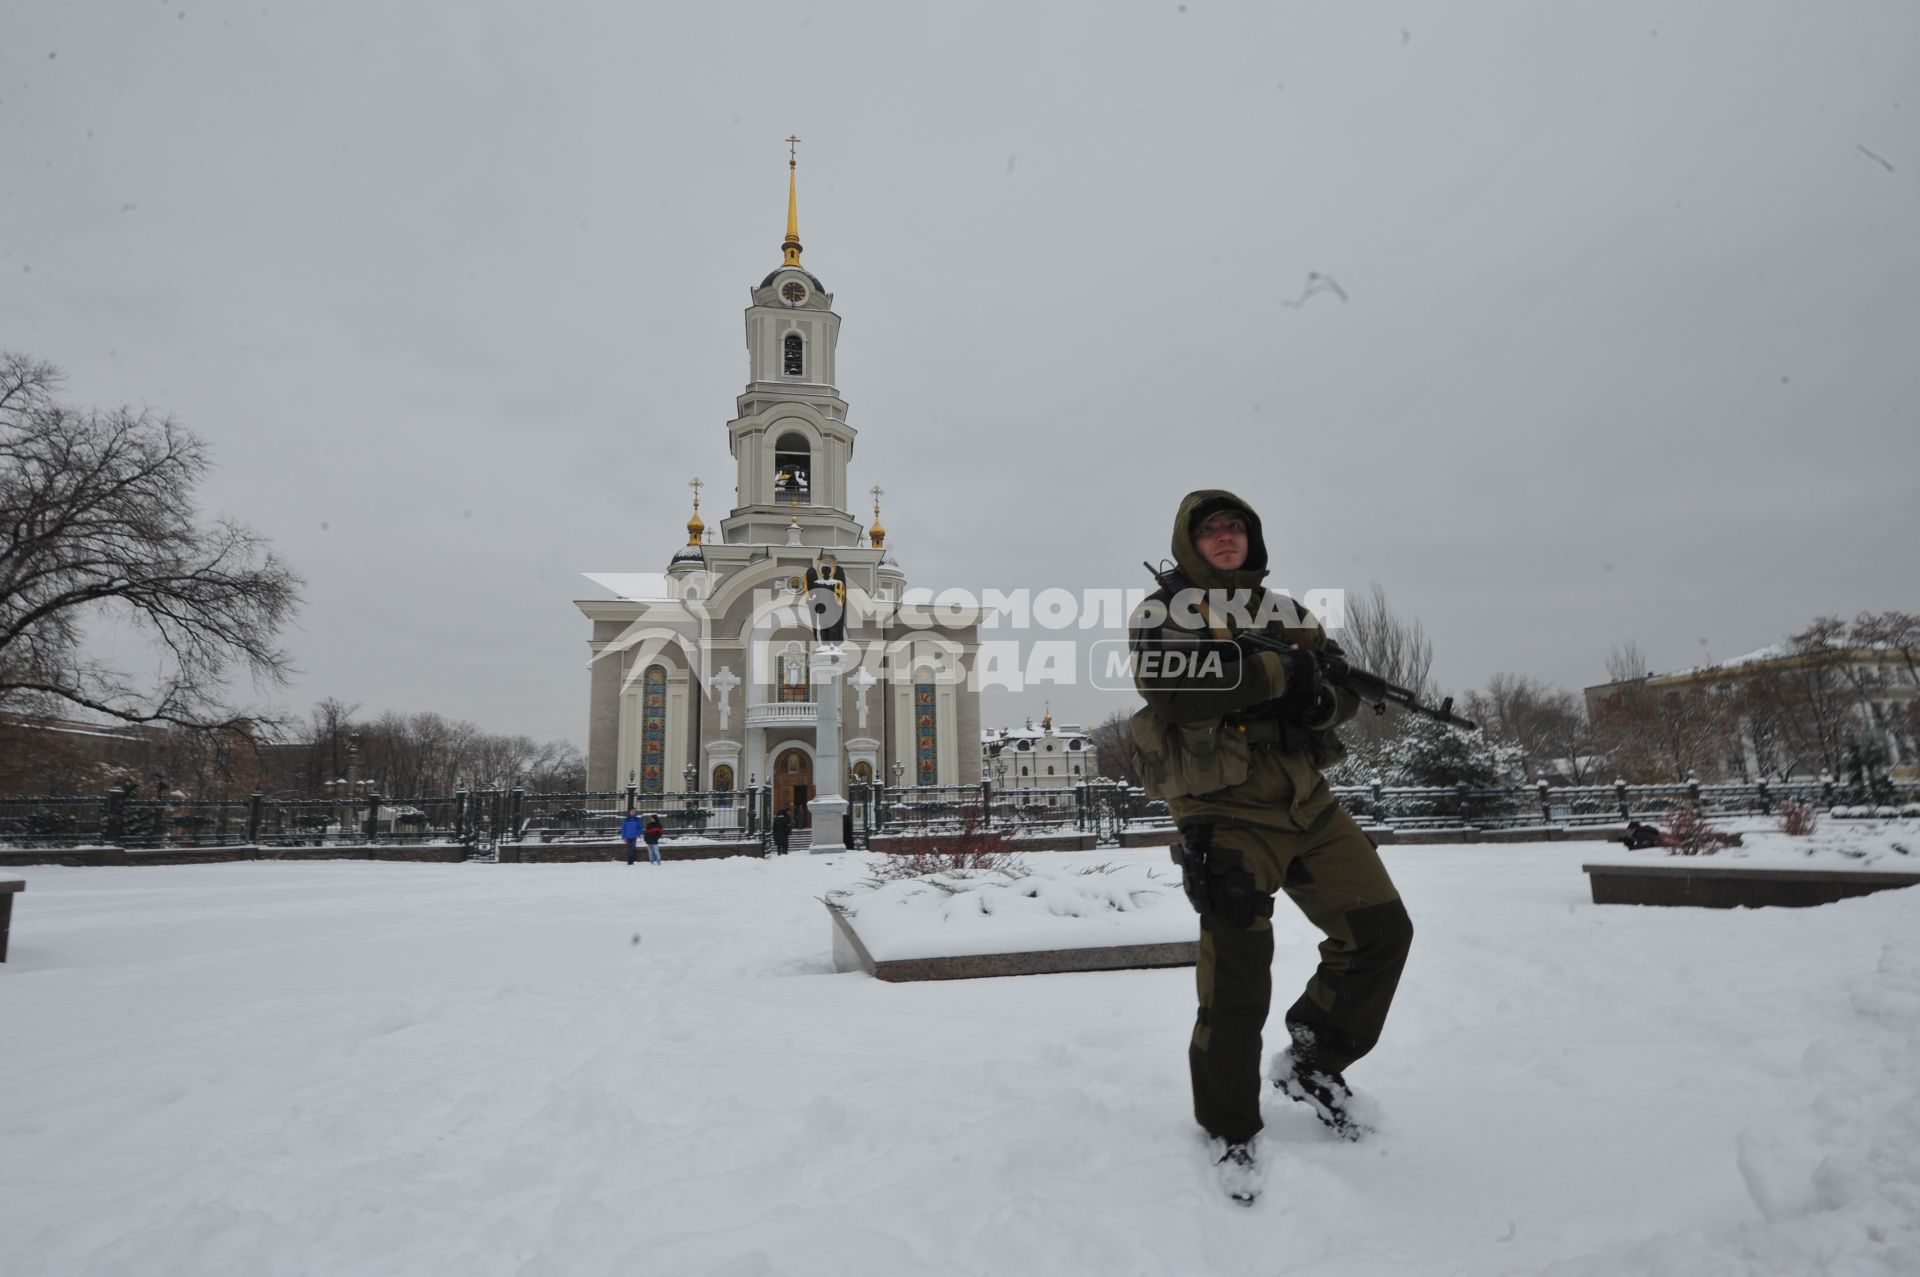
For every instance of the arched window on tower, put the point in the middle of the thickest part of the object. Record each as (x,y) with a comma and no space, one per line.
(793,469)
(793,356)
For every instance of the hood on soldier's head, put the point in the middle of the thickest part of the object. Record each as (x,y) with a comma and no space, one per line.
(1195,508)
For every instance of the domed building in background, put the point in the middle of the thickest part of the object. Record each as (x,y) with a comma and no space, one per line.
(701,677)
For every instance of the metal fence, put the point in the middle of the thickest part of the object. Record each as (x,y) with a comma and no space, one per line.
(475,818)
(482,819)
(1101,808)
(1543,804)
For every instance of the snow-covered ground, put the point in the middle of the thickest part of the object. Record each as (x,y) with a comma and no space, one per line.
(349,1068)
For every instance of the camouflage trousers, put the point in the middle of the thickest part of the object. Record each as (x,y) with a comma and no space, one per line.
(1333,874)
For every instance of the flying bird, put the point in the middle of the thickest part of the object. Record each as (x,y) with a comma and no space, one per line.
(1316,283)
(1877,159)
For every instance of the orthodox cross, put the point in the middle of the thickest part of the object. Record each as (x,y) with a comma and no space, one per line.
(791,143)
(723,684)
(863,680)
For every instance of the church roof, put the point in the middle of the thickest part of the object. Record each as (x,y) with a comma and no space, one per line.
(1023,738)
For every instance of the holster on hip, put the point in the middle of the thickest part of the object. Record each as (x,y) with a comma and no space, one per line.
(1214,881)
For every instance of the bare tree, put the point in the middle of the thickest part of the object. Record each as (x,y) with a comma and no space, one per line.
(1768,705)
(1113,742)
(1621,721)
(1570,737)
(1689,729)
(99,522)
(1626,662)
(1376,638)
(1547,725)
(330,732)
(427,754)
(1898,632)
(1820,664)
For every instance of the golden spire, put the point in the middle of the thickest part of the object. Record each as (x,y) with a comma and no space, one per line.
(696,525)
(790,247)
(1046,720)
(876,533)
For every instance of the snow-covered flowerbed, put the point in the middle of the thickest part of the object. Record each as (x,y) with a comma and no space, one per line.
(1025,909)
(1893,846)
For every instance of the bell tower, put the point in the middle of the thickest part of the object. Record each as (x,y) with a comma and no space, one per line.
(791,441)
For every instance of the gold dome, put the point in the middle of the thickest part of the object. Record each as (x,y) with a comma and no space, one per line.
(696,525)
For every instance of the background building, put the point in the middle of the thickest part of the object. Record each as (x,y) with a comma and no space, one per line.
(1043,757)
(1788,710)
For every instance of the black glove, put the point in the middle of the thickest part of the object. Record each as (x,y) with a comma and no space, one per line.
(1301,671)
(1303,685)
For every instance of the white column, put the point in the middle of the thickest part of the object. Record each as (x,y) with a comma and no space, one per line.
(756,759)
(828,806)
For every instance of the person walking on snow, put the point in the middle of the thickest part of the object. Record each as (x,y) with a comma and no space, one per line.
(653,834)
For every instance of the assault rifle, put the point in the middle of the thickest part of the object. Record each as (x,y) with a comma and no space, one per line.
(1336,671)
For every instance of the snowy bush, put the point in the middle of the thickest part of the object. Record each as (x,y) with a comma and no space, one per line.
(969,851)
(1425,753)
(1798,819)
(1429,755)
(1689,833)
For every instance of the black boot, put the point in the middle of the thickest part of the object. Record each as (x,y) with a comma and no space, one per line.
(1326,1093)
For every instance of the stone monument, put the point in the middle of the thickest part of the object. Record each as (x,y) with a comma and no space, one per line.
(828,806)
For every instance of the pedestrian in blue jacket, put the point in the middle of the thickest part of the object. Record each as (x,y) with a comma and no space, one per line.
(630,832)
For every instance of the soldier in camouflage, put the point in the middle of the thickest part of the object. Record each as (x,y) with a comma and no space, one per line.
(1237,746)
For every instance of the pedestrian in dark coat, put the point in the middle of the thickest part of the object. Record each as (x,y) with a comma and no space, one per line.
(782,832)
(1640,837)
(653,833)
(630,832)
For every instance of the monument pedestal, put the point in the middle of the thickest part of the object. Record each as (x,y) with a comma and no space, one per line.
(827,807)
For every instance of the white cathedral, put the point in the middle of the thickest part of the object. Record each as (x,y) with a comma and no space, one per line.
(717,683)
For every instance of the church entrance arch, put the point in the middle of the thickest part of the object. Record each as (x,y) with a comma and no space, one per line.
(793,785)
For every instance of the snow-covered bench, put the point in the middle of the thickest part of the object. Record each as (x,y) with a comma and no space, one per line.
(8,886)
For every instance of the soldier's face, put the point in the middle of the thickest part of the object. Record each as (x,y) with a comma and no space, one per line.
(1222,541)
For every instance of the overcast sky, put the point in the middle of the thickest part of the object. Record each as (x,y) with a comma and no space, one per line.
(1631,348)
